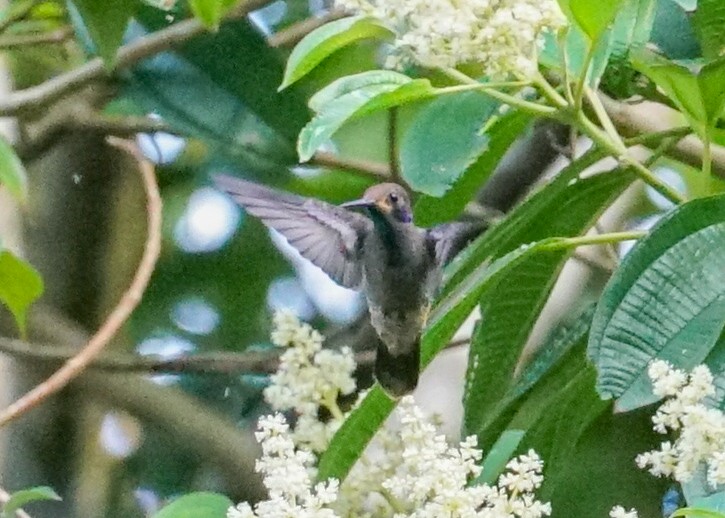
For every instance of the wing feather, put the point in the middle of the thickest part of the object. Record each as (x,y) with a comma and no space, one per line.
(330,237)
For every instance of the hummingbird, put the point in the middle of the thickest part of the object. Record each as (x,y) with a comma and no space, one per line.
(369,244)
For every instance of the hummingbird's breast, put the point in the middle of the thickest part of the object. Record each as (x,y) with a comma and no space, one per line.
(399,282)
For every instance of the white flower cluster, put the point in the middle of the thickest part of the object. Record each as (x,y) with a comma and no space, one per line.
(309,377)
(420,476)
(288,478)
(620,512)
(700,430)
(502,36)
(415,474)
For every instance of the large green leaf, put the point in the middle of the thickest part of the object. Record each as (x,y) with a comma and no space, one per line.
(575,46)
(430,210)
(666,301)
(12,172)
(322,42)
(560,424)
(632,29)
(362,101)
(171,87)
(25,496)
(672,31)
(593,17)
(510,309)
(20,286)
(443,140)
(106,23)
(709,25)
(499,455)
(197,505)
(700,97)
(236,60)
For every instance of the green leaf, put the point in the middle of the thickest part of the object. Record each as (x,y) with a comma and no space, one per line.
(25,496)
(672,32)
(106,23)
(709,25)
(12,172)
(214,83)
(700,97)
(325,40)
(357,103)
(593,17)
(632,29)
(499,455)
(349,84)
(354,435)
(197,505)
(511,308)
(443,140)
(20,286)
(666,301)
(561,423)
(210,12)
(576,46)
(502,133)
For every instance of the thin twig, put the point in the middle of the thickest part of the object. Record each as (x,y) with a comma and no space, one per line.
(247,362)
(374,169)
(295,32)
(164,39)
(16,41)
(18,15)
(393,145)
(73,367)
(5,496)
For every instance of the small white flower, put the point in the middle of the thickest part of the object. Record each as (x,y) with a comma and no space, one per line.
(502,36)
(308,377)
(700,430)
(620,512)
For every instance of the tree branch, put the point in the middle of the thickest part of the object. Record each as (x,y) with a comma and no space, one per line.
(295,32)
(38,96)
(35,38)
(634,120)
(377,170)
(73,367)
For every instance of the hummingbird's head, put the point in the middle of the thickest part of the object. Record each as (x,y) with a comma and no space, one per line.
(388,199)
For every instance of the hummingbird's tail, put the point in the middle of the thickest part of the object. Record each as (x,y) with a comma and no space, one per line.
(397,373)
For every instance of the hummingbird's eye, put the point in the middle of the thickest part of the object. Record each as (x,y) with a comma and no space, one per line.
(393,197)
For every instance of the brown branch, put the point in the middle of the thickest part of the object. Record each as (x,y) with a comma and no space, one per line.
(36,38)
(55,88)
(73,367)
(294,33)
(374,169)
(5,496)
(247,362)
(634,120)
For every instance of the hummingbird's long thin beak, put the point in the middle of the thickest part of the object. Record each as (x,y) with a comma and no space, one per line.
(358,204)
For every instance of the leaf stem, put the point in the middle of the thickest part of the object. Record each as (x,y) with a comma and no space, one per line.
(619,151)
(706,183)
(468,83)
(598,239)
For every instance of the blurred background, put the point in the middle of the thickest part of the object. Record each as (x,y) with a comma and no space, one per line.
(122,441)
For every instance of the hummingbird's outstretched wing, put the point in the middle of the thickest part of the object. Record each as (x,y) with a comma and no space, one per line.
(330,237)
(448,239)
